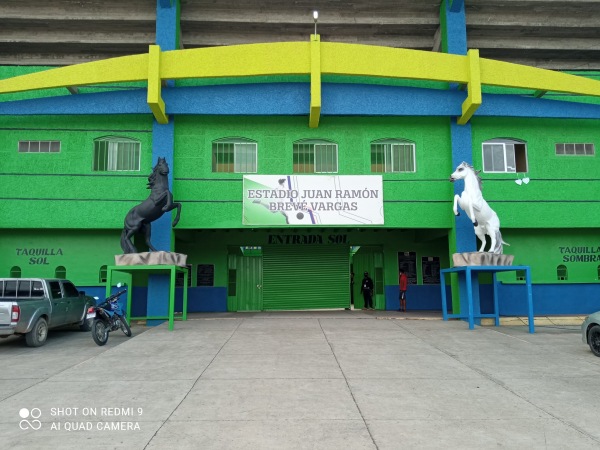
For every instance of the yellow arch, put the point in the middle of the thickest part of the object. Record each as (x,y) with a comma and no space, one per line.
(312,58)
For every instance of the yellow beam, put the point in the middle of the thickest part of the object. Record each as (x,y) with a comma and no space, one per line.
(300,58)
(155,101)
(473,100)
(315,81)
(368,60)
(282,58)
(498,73)
(113,70)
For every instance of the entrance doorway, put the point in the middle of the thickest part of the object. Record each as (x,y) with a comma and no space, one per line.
(249,283)
(368,259)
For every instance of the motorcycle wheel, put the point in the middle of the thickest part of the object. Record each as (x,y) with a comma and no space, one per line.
(125,326)
(100,332)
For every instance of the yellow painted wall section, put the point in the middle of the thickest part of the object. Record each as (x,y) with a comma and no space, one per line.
(287,58)
(498,73)
(368,60)
(113,70)
(294,58)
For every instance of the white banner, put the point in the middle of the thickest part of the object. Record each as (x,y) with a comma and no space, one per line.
(313,200)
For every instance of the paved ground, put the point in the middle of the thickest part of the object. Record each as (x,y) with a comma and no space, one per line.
(304,380)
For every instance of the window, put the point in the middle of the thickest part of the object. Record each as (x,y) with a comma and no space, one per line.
(392,155)
(575,149)
(55,289)
(102,274)
(408,262)
(430,269)
(39,146)
(24,289)
(15,272)
(37,289)
(232,283)
(10,289)
(70,290)
(113,154)
(562,272)
(503,155)
(205,275)
(60,272)
(312,156)
(180,276)
(235,155)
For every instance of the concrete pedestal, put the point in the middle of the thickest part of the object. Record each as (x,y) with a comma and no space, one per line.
(481,259)
(151,259)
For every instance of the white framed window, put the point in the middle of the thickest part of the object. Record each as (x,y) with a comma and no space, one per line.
(234,155)
(581,149)
(392,155)
(504,156)
(114,154)
(39,146)
(315,156)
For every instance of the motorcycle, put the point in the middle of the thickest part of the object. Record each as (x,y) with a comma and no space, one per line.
(108,316)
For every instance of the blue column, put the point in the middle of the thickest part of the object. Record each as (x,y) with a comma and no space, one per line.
(453,25)
(163,143)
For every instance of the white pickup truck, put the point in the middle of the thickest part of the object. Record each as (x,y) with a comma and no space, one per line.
(32,306)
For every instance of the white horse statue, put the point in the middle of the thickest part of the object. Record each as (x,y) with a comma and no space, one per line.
(484,219)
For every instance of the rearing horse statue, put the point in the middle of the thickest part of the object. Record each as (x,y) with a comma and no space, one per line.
(159,201)
(484,219)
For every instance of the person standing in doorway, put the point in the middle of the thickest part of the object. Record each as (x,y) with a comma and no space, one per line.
(403,282)
(366,288)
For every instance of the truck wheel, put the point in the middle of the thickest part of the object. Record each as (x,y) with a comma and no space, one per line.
(87,324)
(100,332)
(38,334)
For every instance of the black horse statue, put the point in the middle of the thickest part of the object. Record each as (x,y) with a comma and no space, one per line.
(160,201)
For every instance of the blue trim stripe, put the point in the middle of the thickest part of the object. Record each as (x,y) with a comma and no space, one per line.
(294,99)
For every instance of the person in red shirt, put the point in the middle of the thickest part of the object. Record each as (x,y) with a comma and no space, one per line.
(403,282)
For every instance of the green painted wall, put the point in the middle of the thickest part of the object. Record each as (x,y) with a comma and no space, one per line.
(39,252)
(544,250)
(60,190)
(420,199)
(564,191)
(212,247)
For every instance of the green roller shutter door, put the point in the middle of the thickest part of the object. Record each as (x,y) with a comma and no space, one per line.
(306,277)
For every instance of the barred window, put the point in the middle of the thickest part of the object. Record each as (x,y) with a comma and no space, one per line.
(575,149)
(180,277)
(234,155)
(60,272)
(392,155)
(15,272)
(102,274)
(39,146)
(205,275)
(315,156)
(504,155)
(562,273)
(114,154)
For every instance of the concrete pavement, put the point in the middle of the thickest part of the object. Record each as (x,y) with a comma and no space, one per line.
(304,380)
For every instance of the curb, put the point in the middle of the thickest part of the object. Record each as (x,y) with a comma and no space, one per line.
(538,321)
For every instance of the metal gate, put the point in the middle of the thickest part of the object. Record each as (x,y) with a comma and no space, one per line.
(311,277)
